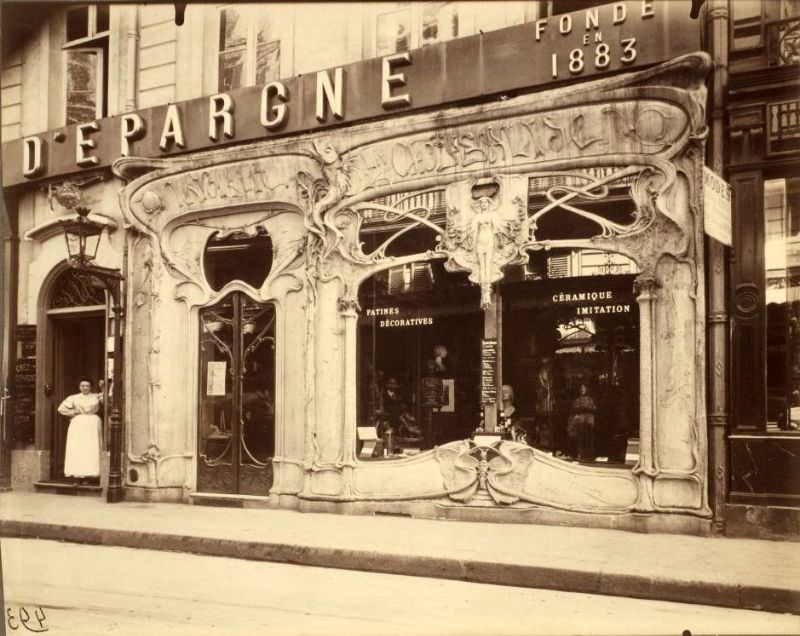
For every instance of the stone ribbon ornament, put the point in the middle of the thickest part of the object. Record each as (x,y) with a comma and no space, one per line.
(470,470)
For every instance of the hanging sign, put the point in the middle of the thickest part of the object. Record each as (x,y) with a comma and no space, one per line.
(717,207)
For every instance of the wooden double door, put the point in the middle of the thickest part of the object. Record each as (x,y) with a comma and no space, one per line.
(236,418)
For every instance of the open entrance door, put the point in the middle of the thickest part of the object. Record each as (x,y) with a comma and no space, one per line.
(78,350)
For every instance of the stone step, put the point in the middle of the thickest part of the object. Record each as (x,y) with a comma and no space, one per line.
(228,500)
(69,488)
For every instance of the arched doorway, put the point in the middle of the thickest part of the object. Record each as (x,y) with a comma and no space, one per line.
(75,318)
(236,414)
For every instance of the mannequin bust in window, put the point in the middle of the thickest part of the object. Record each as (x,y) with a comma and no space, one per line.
(509,422)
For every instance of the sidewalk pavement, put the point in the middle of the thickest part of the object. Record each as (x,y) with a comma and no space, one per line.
(738,573)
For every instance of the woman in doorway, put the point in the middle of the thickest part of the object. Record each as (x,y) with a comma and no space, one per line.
(82,455)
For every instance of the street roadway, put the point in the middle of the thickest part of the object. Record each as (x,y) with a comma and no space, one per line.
(84,590)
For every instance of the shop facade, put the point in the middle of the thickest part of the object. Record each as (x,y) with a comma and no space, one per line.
(762,163)
(407,286)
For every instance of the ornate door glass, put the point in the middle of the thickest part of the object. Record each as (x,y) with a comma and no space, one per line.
(236,435)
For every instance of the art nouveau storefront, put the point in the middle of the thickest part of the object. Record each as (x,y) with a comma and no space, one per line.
(274,289)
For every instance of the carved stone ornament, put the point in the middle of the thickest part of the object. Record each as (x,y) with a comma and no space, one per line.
(68,193)
(181,203)
(504,473)
(486,229)
(499,470)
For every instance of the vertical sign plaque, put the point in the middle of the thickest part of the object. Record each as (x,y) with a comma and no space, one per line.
(488,370)
(24,384)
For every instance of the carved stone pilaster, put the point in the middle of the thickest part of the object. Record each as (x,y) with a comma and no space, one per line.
(348,308)
(647,293)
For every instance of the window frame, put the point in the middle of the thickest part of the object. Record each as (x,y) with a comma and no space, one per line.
(760,20)
(100,82)
(768,175)
(97,42)
(250,48)
(416,13)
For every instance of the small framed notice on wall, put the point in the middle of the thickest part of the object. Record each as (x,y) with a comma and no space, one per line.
(449,405)
(215,380)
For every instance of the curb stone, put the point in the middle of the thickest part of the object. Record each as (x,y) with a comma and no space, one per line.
(468,570)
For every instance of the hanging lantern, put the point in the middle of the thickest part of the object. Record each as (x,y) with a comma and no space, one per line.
(83,238)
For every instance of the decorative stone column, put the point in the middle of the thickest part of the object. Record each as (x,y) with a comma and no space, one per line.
(348,309)
(645,469)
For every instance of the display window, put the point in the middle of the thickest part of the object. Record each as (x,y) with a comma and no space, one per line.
(552,361)
(419,345)
(570,361)
(782,274)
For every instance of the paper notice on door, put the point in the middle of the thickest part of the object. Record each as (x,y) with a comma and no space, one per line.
(215,381)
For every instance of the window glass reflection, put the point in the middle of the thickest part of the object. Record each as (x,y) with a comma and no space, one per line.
(782,264)
(419,340)
(82,85)
(394,32)
(571,354)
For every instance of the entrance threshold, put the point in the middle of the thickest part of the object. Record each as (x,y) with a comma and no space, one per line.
(228,500)
(68,488)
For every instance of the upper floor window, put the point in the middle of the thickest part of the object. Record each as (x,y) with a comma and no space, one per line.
(86,61)
(249,47)
(414,25)
(557,7)
(747,23)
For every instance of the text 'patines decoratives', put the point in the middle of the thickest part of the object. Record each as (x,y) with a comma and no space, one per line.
(646,127)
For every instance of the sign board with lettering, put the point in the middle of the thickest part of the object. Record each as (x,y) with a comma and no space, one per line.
(396,317)
(717,207)
(488,371)
(617,36)
(23,389)
(596,302)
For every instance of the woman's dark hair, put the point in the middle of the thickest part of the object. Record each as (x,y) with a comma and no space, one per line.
(85,378)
